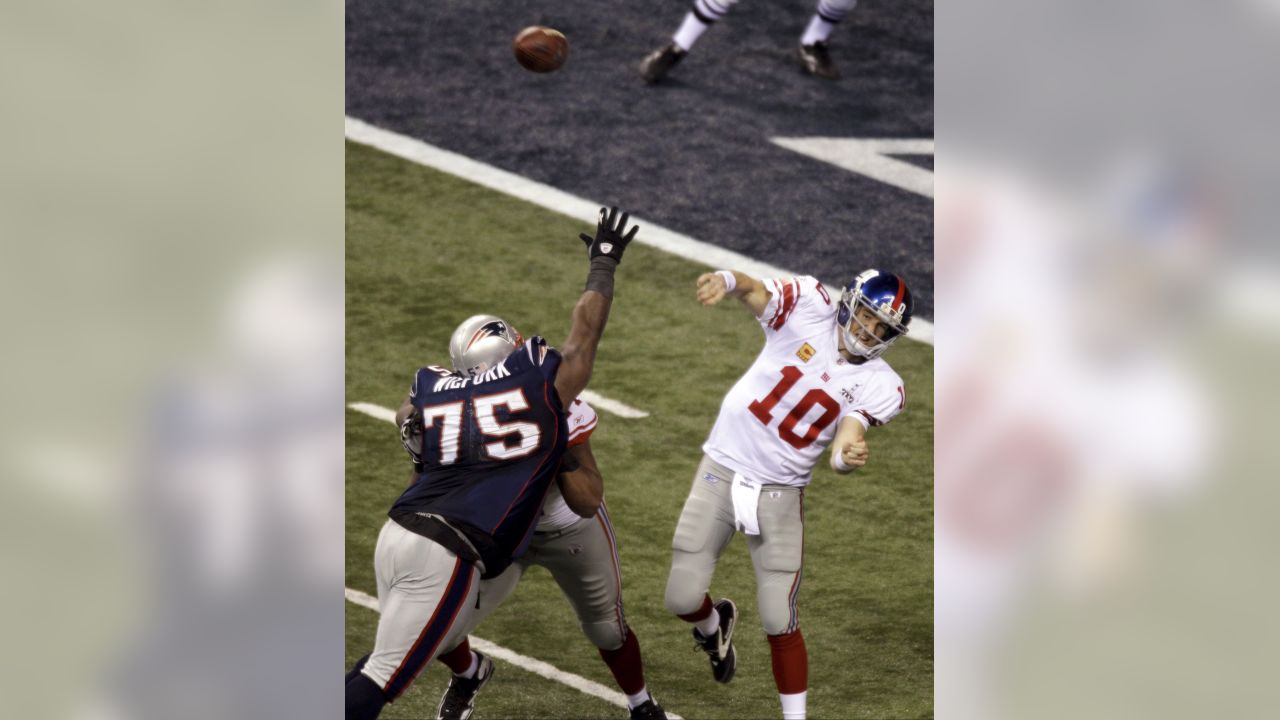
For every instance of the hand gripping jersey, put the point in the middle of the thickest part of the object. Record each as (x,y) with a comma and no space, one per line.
(491,447)
(556,514)
(778,418)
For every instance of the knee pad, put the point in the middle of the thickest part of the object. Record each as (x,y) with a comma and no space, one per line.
(778,612)
(685,590)
(604,635)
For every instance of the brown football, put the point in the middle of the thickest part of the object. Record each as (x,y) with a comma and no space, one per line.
(540,49)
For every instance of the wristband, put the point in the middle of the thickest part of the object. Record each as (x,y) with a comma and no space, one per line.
(600,277)
(730,280)
(837,461)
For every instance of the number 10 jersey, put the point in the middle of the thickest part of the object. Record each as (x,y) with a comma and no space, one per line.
(775,422)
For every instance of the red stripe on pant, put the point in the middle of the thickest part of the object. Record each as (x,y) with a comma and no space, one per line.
(424,648)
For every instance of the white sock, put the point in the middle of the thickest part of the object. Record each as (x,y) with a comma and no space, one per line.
(818,31)
(793,705)
(475,667)
(707,625)
(637,699)
(690,30)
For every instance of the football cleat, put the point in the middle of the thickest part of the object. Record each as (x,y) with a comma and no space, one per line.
(459,699)
(815,59)
(719,646)
(888,299)
(648,710)
(658,63)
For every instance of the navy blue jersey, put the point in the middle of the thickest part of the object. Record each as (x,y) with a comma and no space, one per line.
(491,447)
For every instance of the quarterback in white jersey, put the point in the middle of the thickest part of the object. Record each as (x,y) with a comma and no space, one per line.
(783,413)
(818,382)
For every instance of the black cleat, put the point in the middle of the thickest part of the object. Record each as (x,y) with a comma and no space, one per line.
(815,59)
(658,63)
(459,700)
(648,710)
(719,647)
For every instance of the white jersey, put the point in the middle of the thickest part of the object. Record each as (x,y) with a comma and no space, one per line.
(556,514)
(778,418)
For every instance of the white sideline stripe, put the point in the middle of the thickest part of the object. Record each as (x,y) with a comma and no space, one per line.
(374,411)
(587,211)
(608,405)
(870,157)
(533,665)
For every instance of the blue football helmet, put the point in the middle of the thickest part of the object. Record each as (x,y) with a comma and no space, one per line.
(885,295)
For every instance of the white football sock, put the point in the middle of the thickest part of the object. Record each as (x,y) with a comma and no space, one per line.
(707,625)
(793,705)
(690,30)
(637,699)
(818,31)
(475,667)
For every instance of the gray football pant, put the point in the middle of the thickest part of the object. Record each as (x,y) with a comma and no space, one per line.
(583,559)
(425,597)
(705,529)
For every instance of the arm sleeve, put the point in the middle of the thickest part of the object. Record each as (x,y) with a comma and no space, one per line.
(883,399)
(582,422)
(797,306)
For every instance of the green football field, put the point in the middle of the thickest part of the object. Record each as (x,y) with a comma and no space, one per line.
(426,250)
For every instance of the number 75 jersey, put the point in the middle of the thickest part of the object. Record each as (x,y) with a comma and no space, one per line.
(778,418)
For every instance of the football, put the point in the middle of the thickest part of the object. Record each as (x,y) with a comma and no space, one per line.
(540,49)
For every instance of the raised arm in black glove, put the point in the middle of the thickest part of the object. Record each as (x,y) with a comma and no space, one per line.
(609,240)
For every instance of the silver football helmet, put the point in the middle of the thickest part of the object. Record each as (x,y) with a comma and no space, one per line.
(481,342)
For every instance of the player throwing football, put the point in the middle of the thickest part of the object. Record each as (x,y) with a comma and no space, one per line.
(819,381)
(491,441)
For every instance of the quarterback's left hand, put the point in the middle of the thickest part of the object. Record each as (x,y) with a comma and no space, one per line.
(855,454)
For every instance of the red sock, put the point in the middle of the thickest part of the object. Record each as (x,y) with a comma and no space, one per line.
(459,658)
(699,614)
(626,665)
(790,662)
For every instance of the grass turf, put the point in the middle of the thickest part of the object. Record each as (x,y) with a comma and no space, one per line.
(424,251)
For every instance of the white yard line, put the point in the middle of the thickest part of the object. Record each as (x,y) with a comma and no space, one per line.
(578,208)
(870,157)
(374,411)
(533,665)
(601,402)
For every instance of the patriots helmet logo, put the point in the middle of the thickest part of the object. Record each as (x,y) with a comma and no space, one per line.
(497,328)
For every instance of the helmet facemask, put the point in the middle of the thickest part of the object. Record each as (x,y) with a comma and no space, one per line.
(853,330)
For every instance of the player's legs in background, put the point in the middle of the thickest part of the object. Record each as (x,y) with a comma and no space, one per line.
(425,595)
(703,15)
(815,56)
(583,559)
(778,556)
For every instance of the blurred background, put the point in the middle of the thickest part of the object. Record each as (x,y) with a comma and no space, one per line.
(1107,312)
(171,293)
(1108,320)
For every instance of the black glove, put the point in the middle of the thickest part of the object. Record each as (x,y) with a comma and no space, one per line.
(609,240)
